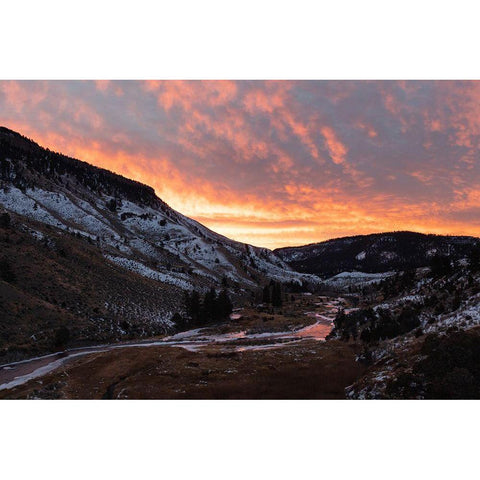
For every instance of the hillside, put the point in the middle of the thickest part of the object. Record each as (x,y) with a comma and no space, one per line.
(419,333)
(89,249)
(375,253)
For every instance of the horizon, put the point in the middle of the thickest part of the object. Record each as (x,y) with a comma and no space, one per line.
(276,163)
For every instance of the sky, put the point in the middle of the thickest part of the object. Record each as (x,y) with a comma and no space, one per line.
(275,163)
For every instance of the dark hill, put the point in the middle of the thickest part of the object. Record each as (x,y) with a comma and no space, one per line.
(379,252)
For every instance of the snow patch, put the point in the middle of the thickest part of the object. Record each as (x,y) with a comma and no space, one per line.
(361,256)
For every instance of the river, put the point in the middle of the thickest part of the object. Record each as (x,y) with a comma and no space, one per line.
(18,373)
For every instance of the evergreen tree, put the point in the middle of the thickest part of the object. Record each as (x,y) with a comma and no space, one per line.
(192,306)
(209,310)
(112,205)
(266,294)
(474,259)
(440,265)
(277,295)
(225,306)
(179,321)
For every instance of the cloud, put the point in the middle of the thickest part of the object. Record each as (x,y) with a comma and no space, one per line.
(336,149)
(274,163)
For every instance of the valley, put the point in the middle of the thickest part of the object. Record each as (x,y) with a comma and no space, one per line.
(258,355)
(108,292)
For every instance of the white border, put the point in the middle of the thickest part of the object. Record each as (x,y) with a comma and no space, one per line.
(238,439)
(251,39)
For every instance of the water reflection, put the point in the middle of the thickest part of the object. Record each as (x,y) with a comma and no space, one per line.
(193,340)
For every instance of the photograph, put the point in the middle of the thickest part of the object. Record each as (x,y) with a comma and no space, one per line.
(239,239)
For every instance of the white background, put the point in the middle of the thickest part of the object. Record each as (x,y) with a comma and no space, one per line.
(241,40)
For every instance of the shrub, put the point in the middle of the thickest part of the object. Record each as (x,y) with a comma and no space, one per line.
(62,336)
(451,368)
(6,272)
(4,220)
(418,332)
(112,205)
(179,321)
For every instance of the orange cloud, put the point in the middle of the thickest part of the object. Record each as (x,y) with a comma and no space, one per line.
(371,132)
(248,158)
(187,94)
(336,149)
(264,101)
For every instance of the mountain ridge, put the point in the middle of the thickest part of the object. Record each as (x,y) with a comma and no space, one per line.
(105,183)
(375,253)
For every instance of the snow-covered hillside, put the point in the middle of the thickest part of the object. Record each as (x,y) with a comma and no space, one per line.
(132,227)
(418,332)
(345,280)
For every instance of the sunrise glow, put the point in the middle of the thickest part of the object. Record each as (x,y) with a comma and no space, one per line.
(275,163)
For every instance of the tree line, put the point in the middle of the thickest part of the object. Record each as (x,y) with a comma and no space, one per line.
(21,157)
(200,311)
(272,294)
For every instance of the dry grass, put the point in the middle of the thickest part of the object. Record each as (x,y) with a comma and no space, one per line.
(310,370)
(305,370)
(67,282)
